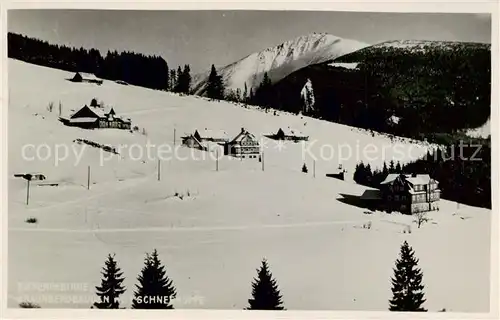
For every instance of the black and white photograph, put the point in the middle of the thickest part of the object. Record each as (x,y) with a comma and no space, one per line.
(286,160)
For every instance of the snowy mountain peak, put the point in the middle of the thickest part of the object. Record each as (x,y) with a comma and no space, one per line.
(281,60)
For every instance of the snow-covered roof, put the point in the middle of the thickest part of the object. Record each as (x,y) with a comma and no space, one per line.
(418,179)
(345,65)
(292,132)
(89,76)
(241,135)
(394,119)
(390,178)
(82,120)
(99,112)
(214,134)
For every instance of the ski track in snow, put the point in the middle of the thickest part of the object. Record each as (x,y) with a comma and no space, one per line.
(90,197)
(183,229)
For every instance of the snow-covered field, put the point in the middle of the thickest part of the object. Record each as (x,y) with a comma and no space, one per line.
(214,238)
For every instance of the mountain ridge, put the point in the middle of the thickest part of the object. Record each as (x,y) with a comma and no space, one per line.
(280,60)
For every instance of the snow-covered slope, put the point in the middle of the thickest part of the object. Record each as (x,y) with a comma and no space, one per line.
(281,60)
(483,131)
(228,220)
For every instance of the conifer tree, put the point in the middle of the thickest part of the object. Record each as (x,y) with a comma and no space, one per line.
(178,82)
(304,168)
(263,92)
(111,285)
(265,292)
(172,79)
(155,285)
(407,287)
(215,86)
(185,82)
(245,93)
(359,173)
(385,170)
(398,167)
(391,167)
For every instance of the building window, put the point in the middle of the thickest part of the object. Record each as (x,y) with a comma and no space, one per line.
(389,198)
(396,198)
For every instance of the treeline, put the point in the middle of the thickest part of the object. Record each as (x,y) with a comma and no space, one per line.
(420,88)
(155,289)
(148,71)
(463,173)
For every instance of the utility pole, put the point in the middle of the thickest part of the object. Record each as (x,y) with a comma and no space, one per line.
(28,193)
(262,160)
(217,159)
(174,137)
(159,172)
(314,168)
(88,178)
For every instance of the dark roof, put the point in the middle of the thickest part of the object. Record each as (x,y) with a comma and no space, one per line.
(371,194)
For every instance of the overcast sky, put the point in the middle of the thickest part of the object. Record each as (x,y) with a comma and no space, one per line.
(201,38)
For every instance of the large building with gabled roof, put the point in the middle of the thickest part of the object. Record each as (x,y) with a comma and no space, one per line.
(410,193)
(244,145)
(96,118)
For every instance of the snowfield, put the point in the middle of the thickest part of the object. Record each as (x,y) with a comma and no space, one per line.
(212,228)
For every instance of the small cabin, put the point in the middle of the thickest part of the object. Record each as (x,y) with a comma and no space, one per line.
(86,77)
(289,134)
(191,141)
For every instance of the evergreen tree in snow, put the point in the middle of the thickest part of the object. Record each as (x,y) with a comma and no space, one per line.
(407,287)
(262,95)
(111,286)
(238,95)
(265,292)
(392,169)
(398,167)
(385,170)
(304,168)
(245,94)
(178,83)
(307,95)
(215,86)
(153,284)
(184,80)
(172,80)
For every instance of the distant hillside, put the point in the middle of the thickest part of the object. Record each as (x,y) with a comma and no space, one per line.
(408,88)
(280,61)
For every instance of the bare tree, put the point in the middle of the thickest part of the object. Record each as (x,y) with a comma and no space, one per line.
(421,218)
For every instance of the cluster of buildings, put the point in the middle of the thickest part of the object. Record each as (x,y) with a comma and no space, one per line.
(243,145)
(406,193)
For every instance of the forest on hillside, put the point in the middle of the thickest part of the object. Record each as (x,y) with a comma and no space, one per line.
(420,88)
(148,71)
